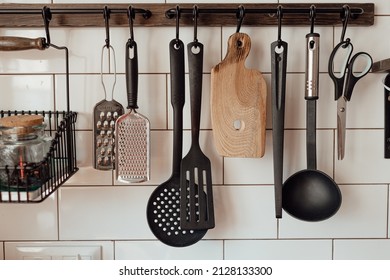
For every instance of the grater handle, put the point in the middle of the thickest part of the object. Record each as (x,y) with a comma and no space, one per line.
(132,74)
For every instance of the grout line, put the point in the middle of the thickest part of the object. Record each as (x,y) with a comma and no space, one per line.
(221,47)
(68,185)
(333,248)
(54,92)
(58,214)
(113,249)
(387,216)
(223,249)
(334,153)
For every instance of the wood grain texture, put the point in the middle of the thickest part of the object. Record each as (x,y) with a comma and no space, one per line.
(82,15)
(238,103)
(8,43)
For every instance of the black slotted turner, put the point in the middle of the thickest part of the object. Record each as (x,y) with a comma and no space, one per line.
(196,211)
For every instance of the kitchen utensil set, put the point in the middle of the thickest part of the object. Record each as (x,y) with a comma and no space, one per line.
(181,210)
(163,209)
(122,141)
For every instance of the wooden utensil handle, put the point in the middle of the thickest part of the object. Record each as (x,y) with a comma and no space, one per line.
(8,43)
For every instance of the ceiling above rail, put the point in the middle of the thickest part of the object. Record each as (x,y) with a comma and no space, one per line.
(91,15)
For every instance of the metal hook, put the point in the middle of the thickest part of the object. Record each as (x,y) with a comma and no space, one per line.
(46,15)
(240,17)
(195,14)
(177,24)
(106,14)
(345,17)
(279,13)
(131,16)
(312,15)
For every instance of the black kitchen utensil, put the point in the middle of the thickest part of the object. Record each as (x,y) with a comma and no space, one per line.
(163,209)
(311,195)
(278,87)
(387,115)
(278,90)
(197,211)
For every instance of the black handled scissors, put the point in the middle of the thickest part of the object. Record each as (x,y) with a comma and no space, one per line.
(344,83)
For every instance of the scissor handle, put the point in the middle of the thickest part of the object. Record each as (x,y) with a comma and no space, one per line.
(352,79)
(338,80)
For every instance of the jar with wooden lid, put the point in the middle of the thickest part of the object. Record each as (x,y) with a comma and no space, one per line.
(23,146)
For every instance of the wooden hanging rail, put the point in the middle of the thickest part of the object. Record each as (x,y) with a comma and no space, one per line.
(91,15)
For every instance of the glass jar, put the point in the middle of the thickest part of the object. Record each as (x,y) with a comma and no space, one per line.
(23,146)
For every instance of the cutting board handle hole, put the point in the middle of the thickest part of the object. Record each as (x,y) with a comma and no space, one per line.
(239,44)
(238,125)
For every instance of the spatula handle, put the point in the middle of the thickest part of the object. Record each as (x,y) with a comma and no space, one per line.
(176,50)
(8,43)
(132,74)
(195,68)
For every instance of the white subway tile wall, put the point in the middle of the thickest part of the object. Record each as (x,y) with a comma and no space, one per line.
(96,210)
(278,249)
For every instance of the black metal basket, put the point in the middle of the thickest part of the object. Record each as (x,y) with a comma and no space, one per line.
(34,182)
(41,179)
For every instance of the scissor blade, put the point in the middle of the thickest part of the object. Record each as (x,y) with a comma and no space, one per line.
(341,123)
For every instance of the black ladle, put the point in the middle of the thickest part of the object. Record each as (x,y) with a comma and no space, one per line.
(311,195)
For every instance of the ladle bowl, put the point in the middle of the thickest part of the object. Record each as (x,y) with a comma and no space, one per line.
(311,195)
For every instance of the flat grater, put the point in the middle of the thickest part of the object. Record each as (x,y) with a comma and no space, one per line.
(105,114)
(132,129)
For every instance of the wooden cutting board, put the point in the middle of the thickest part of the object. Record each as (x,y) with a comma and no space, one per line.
(238,103)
